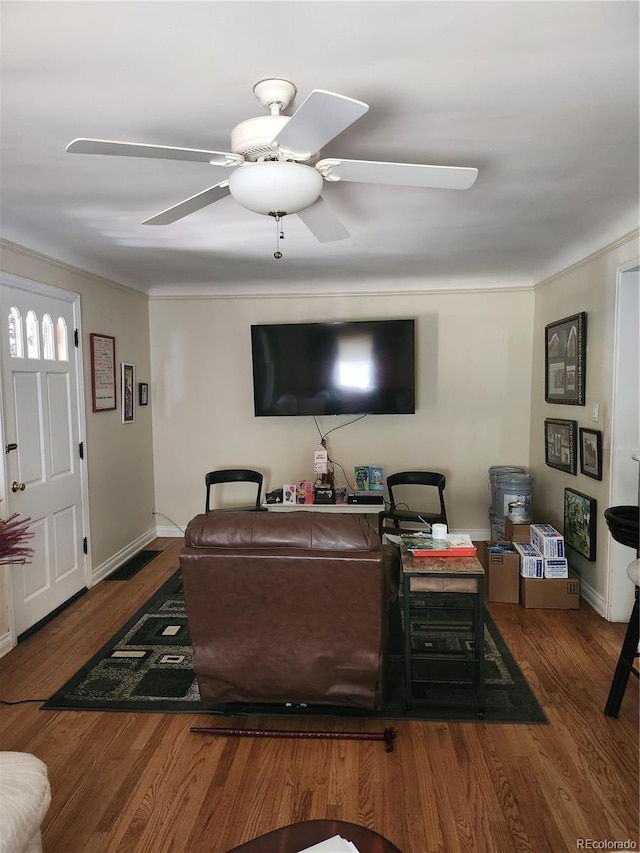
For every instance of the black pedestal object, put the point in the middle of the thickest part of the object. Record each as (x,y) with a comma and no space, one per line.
(623,525)
(625,666)
(439,575)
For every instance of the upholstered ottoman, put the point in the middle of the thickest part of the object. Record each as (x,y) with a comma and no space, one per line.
(24,799)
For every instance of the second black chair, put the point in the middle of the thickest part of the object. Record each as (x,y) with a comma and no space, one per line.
(234,475)
(401,512)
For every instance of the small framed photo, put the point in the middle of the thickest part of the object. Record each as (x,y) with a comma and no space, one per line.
(565,358)
(591,453)
(127,381)
(289,493)
(143,394)
(560,444)
(580,523)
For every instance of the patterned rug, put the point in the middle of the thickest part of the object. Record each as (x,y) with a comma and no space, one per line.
(147,666)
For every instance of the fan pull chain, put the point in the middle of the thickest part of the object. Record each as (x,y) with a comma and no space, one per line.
(277,215)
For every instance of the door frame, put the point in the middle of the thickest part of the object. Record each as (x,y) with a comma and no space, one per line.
(624,481)
(6,581)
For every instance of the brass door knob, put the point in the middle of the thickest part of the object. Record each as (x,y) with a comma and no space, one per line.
(18,487)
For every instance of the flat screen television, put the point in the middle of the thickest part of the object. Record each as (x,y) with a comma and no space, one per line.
(344,368)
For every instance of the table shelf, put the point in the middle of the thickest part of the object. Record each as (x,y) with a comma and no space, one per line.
(423,580)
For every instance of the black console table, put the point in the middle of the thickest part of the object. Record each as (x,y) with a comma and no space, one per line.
(442,575)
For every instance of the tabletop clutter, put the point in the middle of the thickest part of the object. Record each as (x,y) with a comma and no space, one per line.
(323,489)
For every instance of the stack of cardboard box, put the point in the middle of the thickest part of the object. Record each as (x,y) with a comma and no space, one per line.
(530,567)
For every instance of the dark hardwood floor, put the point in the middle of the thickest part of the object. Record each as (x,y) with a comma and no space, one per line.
(144,783)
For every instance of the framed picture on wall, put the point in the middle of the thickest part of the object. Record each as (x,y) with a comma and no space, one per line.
(580,523)
(127,379)
(103,372)
(565,348)
(560,444)
(143,393)
(591,453)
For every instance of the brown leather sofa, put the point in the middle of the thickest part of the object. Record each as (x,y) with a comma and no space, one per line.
(287,607)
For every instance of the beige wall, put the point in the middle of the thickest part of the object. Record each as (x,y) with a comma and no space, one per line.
(591,287)
(480,378)
(119,457)
(474,394)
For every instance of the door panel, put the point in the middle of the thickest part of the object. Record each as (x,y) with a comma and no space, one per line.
(28,427)
(41,416)
(37,579)
(65,534)
(60,430)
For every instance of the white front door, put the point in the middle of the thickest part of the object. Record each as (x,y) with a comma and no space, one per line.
(44,478)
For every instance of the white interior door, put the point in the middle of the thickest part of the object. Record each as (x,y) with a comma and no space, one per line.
(42,446)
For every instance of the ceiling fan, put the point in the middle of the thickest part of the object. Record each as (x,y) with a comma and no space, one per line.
(276,162)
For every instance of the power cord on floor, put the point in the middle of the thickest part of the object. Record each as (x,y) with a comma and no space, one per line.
(21,701)
(162,515)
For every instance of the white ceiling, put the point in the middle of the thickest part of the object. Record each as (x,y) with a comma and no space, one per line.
(541,97)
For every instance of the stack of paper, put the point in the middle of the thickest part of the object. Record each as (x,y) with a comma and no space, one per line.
(453,545)
(337,844)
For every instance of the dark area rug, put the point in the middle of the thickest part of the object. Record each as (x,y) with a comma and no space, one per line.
(147,666)
(132,567)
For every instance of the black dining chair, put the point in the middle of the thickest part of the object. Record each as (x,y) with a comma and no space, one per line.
(400,511)
(234,475)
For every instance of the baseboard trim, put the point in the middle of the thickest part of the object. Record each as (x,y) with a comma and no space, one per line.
(113,563)
(476,535)
(593,598)
(6,644)
(169,532)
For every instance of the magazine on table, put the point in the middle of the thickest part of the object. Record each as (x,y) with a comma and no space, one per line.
(424,545)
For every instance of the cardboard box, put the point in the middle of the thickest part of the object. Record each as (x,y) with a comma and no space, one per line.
(556,567)
(550,593)
(515,532)
(547,540)
(531,560)
(502,571)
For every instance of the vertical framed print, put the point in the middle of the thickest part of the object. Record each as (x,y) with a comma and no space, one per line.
(565,358)
(143,394)
(591,453)
(103,372)
(127,379)
(560,444)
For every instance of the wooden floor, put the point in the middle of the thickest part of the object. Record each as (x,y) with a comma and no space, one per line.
(144,783)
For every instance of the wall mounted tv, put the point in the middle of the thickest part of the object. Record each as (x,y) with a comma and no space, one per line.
(345,368)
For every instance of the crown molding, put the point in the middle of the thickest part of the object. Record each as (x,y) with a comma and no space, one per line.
(599,253)
(361,289)
(32,254)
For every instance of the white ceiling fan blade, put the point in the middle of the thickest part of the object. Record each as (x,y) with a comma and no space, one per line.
(320,118)
(322,222)
(190,205)
(400,174)
(161,152)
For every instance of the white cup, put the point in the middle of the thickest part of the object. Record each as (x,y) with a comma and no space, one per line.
(438,531)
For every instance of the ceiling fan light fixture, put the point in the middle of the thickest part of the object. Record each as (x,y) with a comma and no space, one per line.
(275,185)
